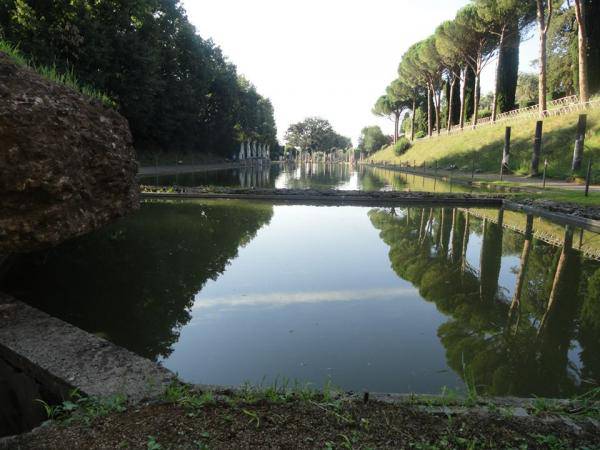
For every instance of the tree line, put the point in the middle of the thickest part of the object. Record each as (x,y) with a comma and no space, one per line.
(439,77)
(177,90)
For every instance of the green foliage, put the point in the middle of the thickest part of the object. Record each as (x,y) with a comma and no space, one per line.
(177,90)
(152,444)
(315,134)
(67,78)
(84,409)
(372,139)
(401,146)
(420,123)
(527,89)
(187,397)
(562,54)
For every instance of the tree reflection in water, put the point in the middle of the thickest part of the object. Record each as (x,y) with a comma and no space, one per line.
(141,273)
(521,347)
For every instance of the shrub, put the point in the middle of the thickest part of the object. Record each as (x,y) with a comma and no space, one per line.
(401,146)
(420,134)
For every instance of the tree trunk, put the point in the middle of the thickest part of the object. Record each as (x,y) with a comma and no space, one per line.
(429,118)
(490,257)
(542,76)
(537,149)
(422,225)
(515,305)
(498,73)
(412,120)
(450,101)
(584,94)
(396,123)
(592,29)
(436,106)
(543,30)
(465,243)
(476,96)
(463,98)
(558,276)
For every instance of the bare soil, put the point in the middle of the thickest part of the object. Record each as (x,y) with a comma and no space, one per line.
(301,424)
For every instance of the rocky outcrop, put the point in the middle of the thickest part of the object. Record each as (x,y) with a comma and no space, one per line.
(67,164)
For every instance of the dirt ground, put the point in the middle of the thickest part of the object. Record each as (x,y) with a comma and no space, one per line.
(310,424)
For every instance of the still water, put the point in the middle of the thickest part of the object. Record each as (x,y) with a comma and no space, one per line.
(384,299)
(308,176)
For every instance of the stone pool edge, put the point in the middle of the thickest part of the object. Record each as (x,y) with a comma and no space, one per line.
(63,357)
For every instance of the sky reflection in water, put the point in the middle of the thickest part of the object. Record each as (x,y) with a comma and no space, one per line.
(405,300)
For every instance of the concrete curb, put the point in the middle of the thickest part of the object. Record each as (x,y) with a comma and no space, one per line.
(334,197)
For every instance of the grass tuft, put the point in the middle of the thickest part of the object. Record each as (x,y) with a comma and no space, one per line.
(68,78)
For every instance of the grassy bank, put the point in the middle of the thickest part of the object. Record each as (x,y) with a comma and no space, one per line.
(305,418)
(51,73)
(484,145)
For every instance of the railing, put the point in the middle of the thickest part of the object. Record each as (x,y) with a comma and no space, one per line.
(556,107)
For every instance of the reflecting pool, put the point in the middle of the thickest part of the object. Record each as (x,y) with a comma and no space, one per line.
(384,299)
(309,176)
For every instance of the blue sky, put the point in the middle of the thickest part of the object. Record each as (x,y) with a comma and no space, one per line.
(327,58)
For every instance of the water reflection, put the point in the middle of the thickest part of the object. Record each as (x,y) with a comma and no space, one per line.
(339,176)
(539,343)
(134,282)
(396,299)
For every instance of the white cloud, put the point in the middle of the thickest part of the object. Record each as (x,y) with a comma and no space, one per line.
(288,298)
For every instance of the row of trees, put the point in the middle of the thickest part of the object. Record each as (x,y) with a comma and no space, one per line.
(176,89)
(446,67)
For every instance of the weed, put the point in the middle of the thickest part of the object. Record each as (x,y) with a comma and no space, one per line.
(449,397)
(152,444)
(544,406)
(588,404)
(469,377)
(253,416)
(329,390)
(423,446)
(347,443)
(183,395)
(81,408)
(201,445)
(550,441)
(507,412)
(52,411)
(365,424)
